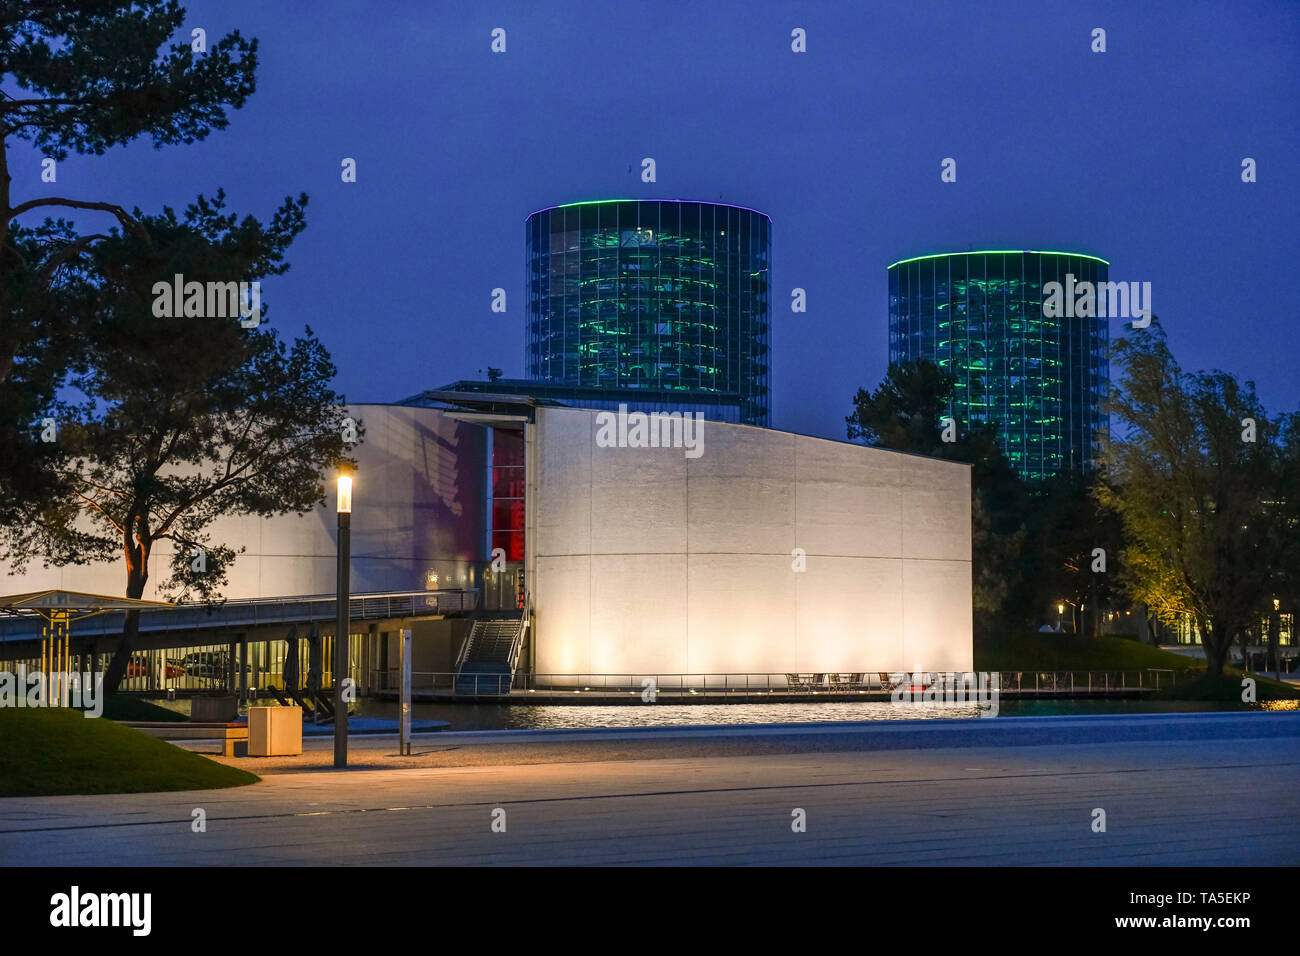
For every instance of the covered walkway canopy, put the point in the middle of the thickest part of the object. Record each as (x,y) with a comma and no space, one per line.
(56,609)
(163,624)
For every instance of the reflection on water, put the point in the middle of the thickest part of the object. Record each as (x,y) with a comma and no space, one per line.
(662,715)
(560,716)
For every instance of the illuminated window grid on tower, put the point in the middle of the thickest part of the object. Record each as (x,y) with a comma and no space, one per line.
(1039,382)
(662,295)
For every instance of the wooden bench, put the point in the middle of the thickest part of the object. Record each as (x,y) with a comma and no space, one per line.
(234,734)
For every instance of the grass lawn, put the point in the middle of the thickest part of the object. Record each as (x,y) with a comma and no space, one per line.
(1228,688)
(46,751)
(1068,652)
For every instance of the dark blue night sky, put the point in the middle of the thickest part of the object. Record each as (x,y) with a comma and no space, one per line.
(1134,155)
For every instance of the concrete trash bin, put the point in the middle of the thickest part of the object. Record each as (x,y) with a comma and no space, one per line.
(274,731)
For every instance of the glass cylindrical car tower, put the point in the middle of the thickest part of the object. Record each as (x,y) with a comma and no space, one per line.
(664,295)
(1040,381)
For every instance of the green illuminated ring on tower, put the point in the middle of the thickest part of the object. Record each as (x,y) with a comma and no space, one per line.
(1000,252)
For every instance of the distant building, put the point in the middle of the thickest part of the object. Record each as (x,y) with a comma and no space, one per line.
(1041,382)
(651,301)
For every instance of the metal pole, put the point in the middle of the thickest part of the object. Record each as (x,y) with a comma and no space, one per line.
(56,662)
(404,725)
(341,631)
(67,660)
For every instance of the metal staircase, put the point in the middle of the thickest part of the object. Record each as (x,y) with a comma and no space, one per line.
(490,655)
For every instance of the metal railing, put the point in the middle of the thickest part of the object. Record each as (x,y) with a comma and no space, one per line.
(1088,682)
(517,644)
(260,612)
(1027,683)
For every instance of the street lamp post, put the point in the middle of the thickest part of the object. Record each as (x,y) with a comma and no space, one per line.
(1060,609)
(342,626)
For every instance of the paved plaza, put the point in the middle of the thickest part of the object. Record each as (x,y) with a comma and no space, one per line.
(1176,790)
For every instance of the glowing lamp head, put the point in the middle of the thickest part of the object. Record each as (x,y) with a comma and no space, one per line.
(345,495)
(1060,609)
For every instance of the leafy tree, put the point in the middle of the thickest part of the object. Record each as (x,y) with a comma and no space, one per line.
(994,576)
(1066,525)
(1284,530)
(903,412)
(41,330)
(1204,508)
(181,419)
(187,419)
(83,76)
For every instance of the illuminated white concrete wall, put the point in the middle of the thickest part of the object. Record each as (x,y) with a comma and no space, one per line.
(418,505)
(643,561)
